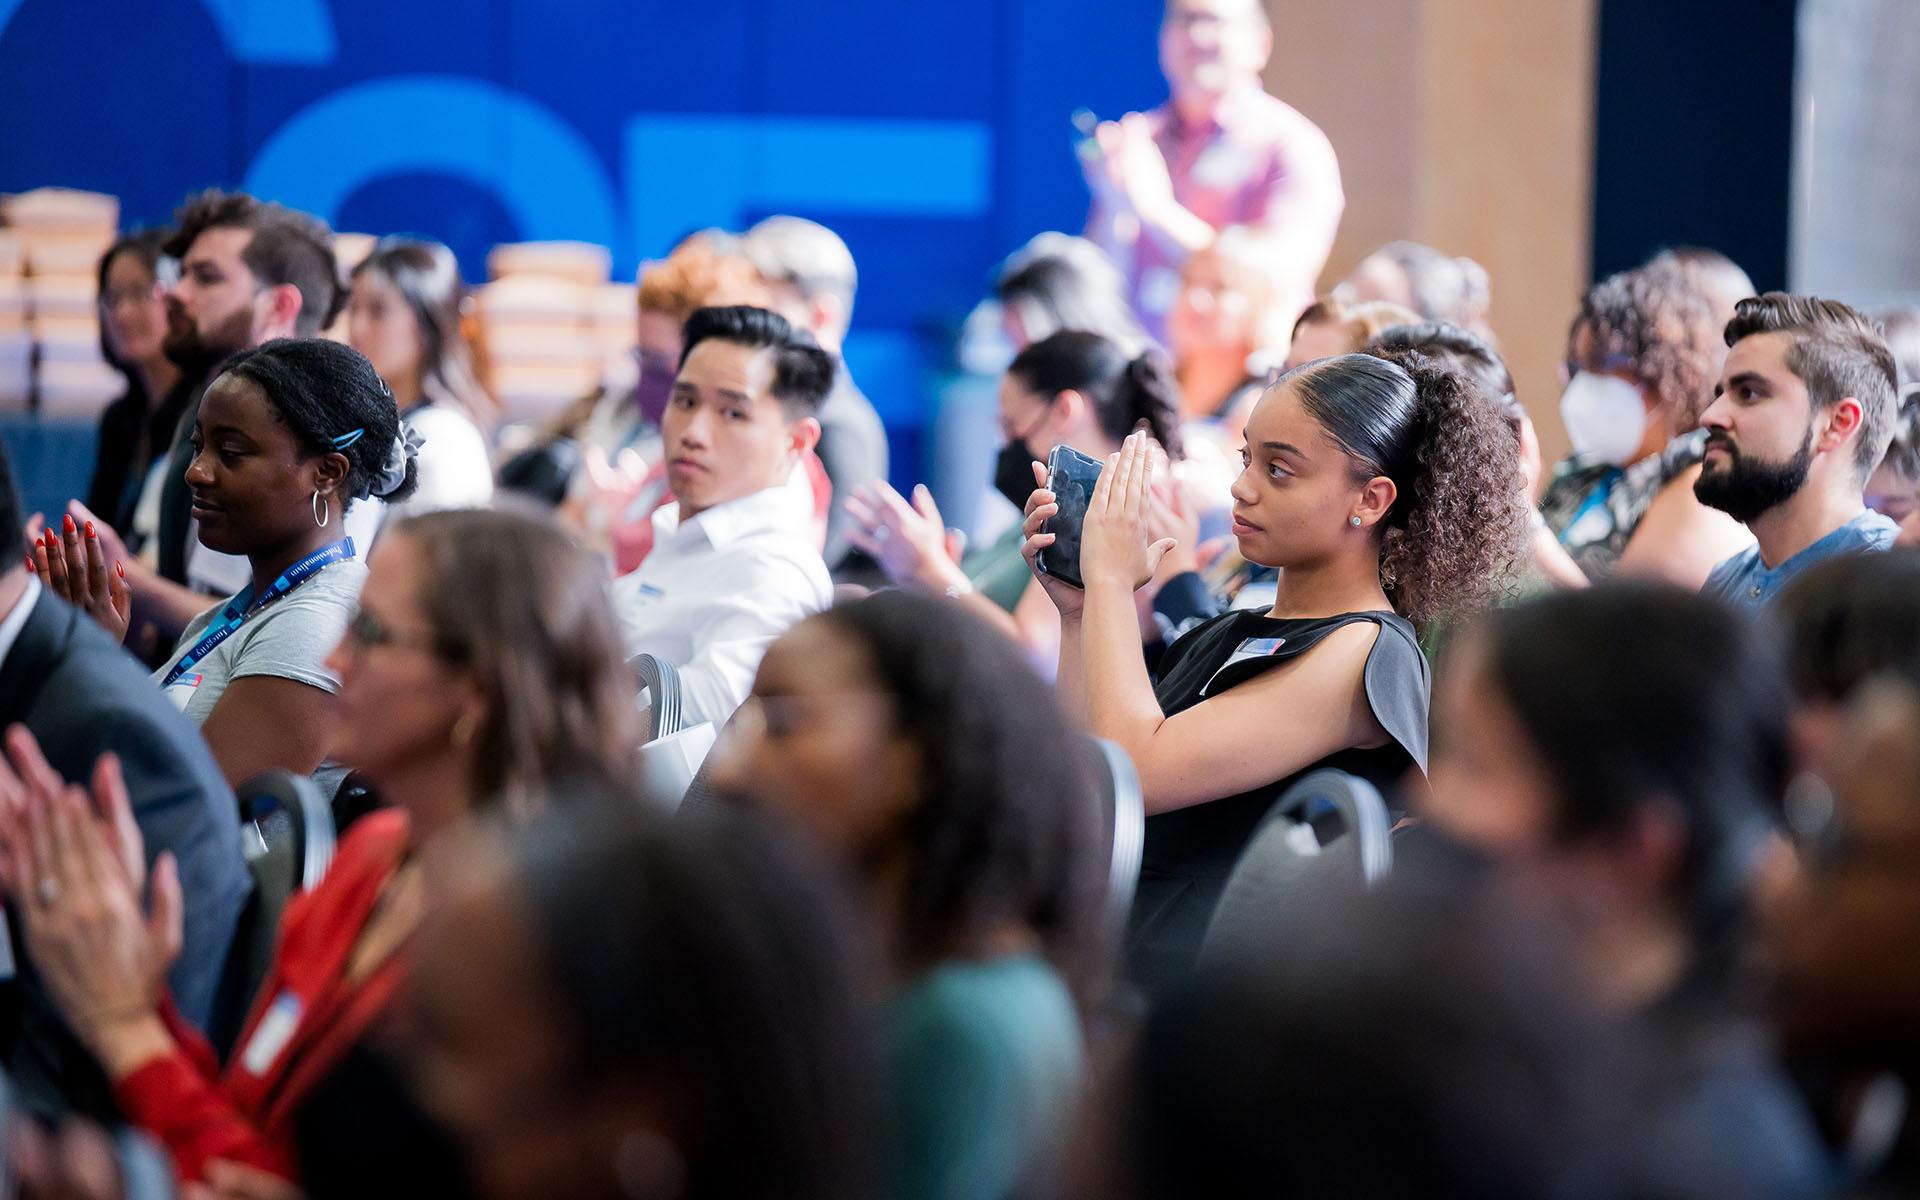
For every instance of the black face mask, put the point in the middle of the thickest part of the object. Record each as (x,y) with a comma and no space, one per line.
(1013,473)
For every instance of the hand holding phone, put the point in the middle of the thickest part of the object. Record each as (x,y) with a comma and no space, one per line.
(1070,477)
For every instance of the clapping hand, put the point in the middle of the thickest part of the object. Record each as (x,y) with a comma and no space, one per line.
(74,565)
(1116,547)
(71,864)
(1130,171)
(909,541)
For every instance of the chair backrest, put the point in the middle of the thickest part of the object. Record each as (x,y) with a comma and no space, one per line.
(1124,810)
(288,838)
(700,795)
(1330,828)
(661,681)
(668,765)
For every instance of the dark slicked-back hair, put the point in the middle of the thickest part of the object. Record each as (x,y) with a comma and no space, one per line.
(288,247)
(1837,352)
(327,393)
(802,371)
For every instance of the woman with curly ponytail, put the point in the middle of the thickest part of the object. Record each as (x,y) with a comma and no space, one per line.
(1387,492)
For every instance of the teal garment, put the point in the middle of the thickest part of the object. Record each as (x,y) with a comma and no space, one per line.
(998,570)
(987,1061)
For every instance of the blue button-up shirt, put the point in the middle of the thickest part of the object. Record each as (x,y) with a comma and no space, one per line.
(1745,582)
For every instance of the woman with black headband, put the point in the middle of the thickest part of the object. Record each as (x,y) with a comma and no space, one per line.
(288,436)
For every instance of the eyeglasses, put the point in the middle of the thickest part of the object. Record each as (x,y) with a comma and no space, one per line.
(367,632)
(114,298)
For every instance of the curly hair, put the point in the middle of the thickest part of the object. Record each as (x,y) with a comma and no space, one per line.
(1006,828)
(697,275)
(1460,520)
(1659,323)
(333,402)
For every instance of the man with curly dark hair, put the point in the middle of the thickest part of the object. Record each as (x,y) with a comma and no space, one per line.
(1641,357)
(1387,492)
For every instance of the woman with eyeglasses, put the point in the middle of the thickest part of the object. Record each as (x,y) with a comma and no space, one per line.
(136,429)
(404,315)
(287,437)
(483,665)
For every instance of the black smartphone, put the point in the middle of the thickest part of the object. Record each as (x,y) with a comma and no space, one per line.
(1070,477)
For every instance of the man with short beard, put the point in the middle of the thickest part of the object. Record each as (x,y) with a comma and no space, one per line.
(1801,416)
(249,272)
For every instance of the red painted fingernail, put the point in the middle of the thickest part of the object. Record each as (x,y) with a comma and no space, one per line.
(89,528)
(30,564)
(69,523)
(120,569)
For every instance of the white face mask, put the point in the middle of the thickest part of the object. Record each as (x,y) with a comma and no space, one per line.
(1605,416)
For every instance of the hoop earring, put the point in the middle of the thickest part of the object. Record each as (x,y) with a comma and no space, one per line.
(322,511)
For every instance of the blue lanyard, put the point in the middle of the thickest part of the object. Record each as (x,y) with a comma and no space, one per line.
(244,605)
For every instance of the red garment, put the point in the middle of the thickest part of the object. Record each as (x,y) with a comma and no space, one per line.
(201,1112)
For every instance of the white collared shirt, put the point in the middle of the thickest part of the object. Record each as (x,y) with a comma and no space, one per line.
(17,619)
(716,590)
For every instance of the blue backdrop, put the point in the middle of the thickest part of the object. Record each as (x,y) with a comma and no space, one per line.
(933,135)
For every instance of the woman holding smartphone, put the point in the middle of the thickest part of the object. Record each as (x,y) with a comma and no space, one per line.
(1386,493)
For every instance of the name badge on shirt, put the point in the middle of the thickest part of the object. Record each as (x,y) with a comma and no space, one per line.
(271,1036)
(649,592)
(181,690)
(1248,650)
(1222,166)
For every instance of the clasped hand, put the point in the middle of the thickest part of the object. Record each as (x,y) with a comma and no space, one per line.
(1115,550)
(74,565)
(72,867)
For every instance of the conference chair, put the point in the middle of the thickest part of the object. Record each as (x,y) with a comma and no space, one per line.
(288,838)
(1123,809)
(661,681)
(1330,829)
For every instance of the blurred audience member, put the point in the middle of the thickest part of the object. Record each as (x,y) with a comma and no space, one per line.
(1893,489)
(611,1006)
(1841,938)
(1227,313)
(1220,152)
(1620,752)
(1847,620)
(1641,358)
(137,429)
(287,438)
(1476,358)
(1058,281)
(1804,411)
(1403,1043)
(1439,288)
(1722,280)
(1386,492)
(811,276)
(76,695)
(913,743)
(734,561)
(1070,389)
(1328,328)
(403,313)
(455,699)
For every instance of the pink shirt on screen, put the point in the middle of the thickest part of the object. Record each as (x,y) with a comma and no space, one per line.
(1262,164)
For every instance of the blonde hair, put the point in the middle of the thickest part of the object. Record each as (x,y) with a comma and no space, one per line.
(1360,322)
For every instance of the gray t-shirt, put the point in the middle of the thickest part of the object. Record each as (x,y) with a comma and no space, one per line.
(288,639)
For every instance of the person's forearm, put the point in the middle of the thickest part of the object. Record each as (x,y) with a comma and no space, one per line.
(164,602)
(1120,705)
(1553,561)
(1177,228)
(125,1046)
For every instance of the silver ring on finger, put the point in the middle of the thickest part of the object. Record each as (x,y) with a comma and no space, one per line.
(47,892)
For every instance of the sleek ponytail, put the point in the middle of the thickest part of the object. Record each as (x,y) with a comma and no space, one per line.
(1459,522)
(1126,393)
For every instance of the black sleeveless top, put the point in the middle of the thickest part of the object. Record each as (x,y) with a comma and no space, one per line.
(1189,852)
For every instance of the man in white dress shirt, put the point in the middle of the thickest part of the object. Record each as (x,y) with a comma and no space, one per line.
(735,560)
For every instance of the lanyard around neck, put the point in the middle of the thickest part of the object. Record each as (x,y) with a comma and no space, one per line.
(246,603)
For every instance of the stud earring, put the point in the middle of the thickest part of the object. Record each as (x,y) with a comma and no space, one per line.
(1354,521)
